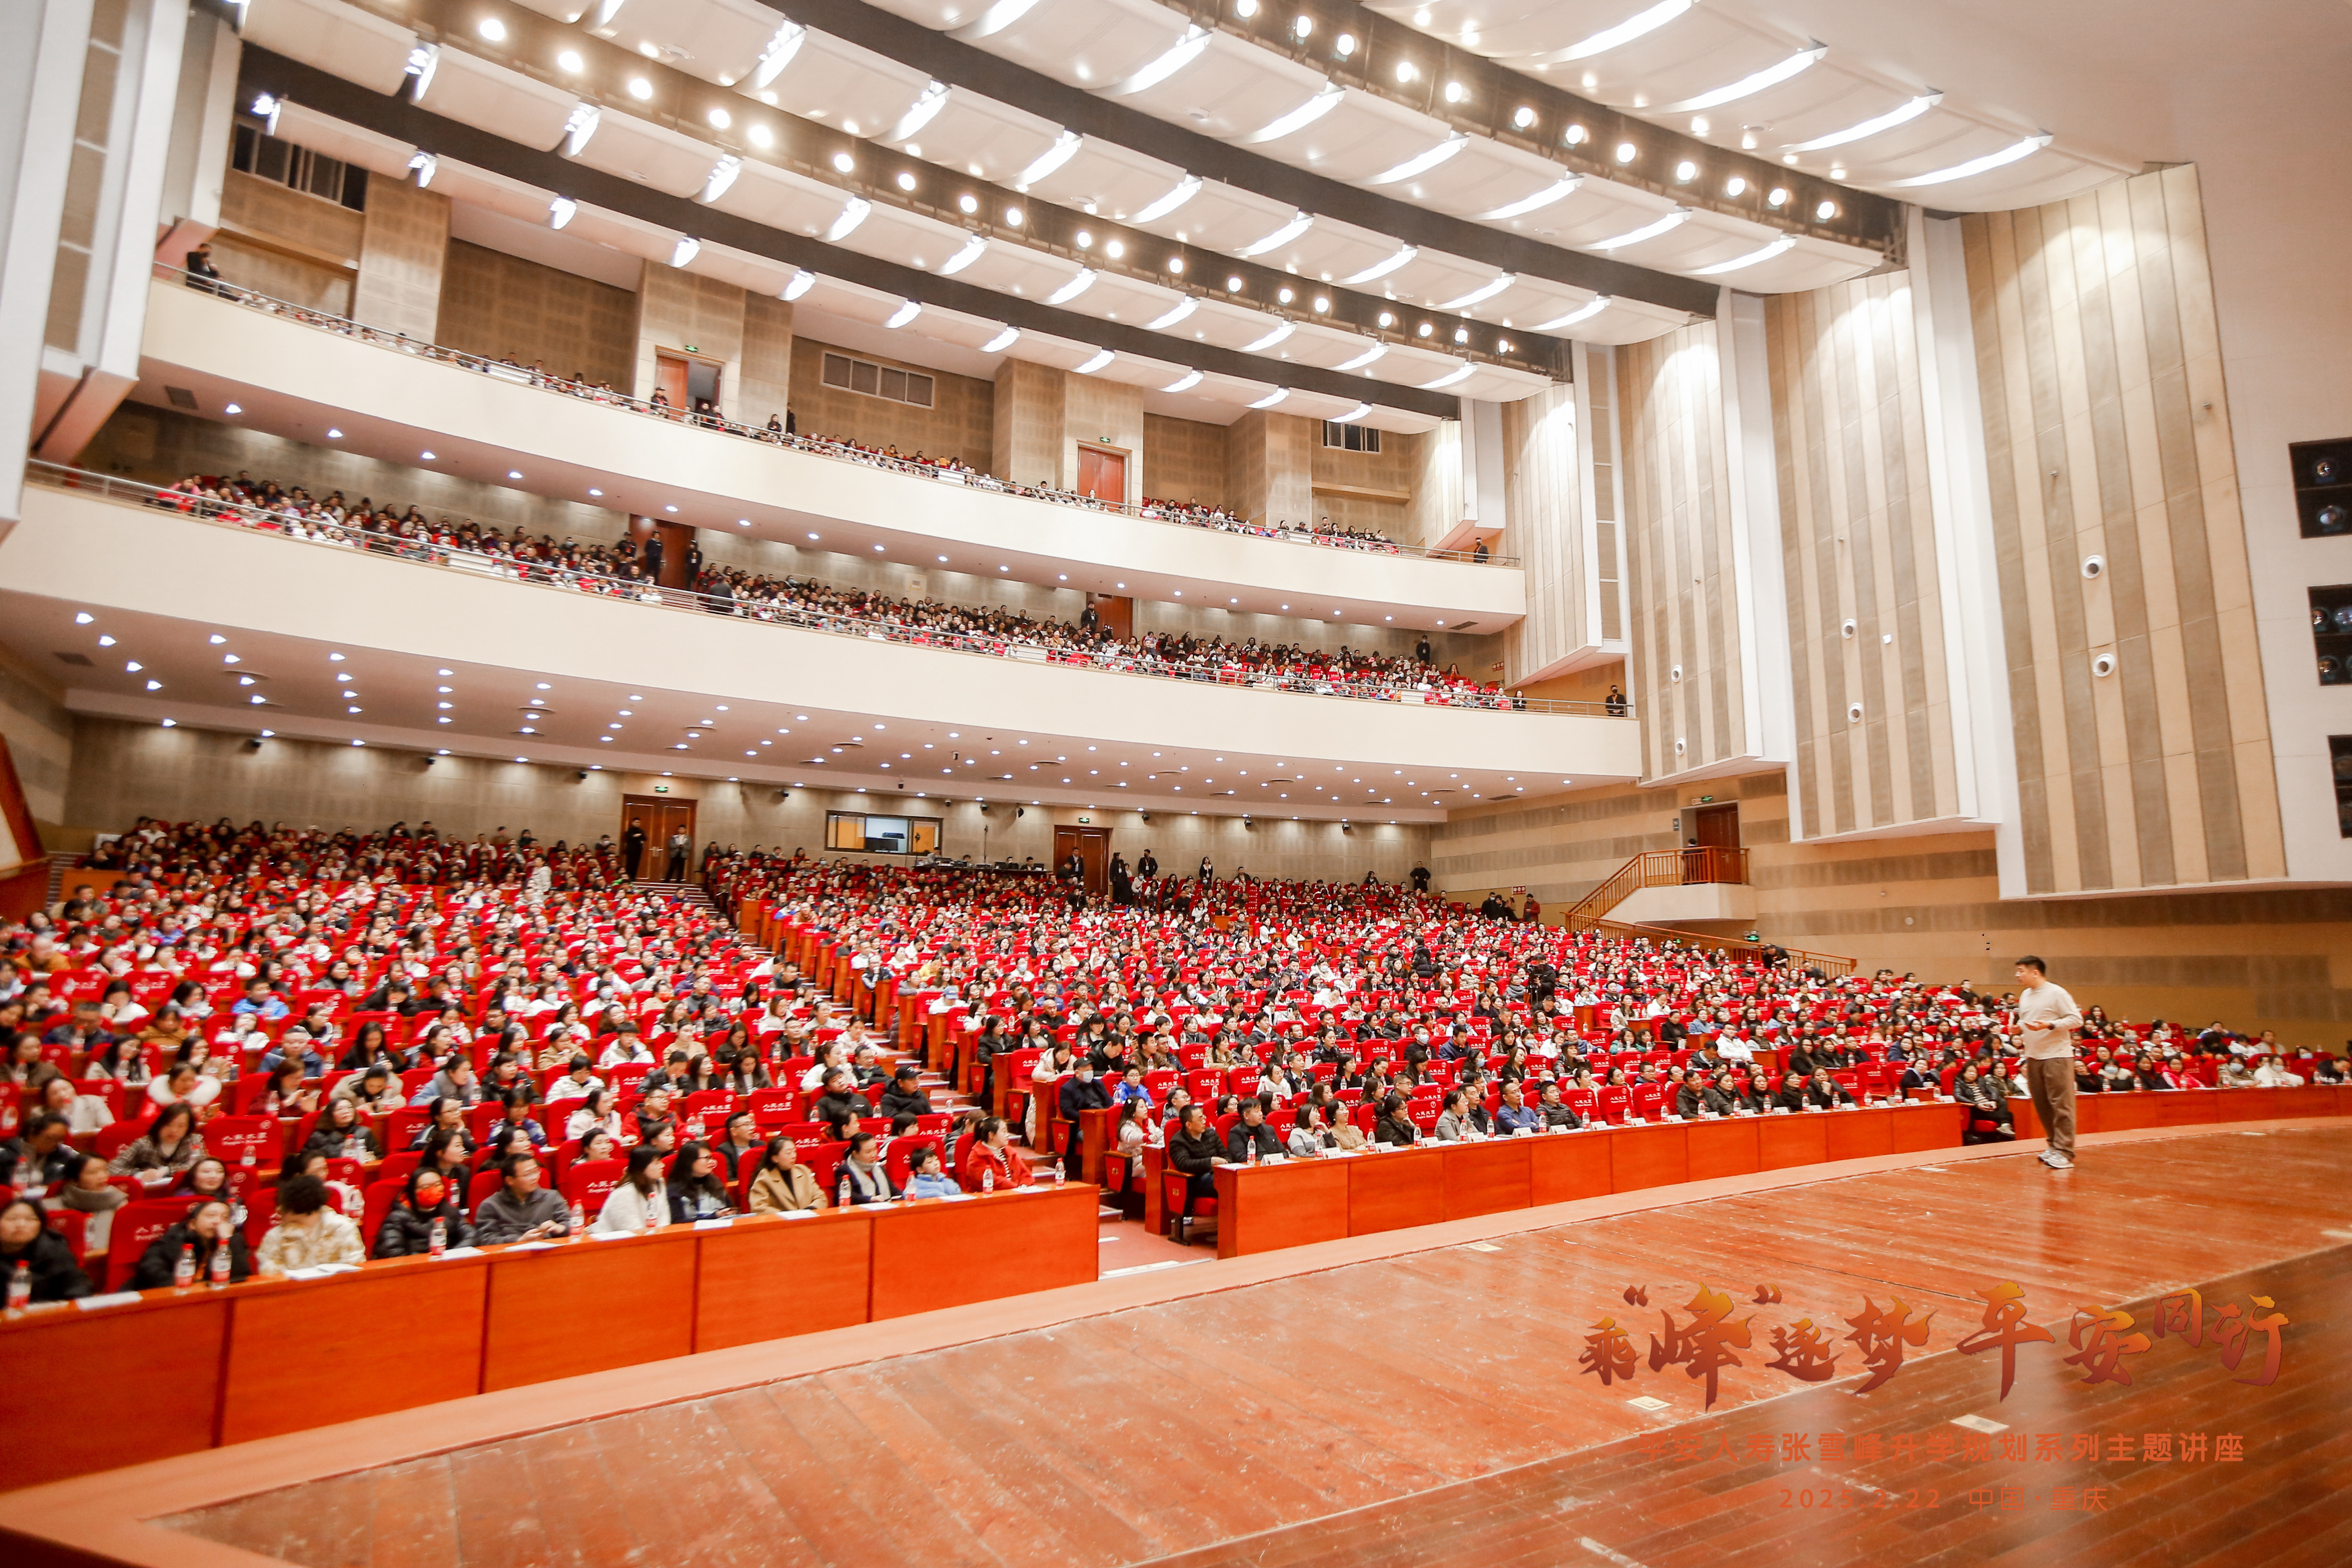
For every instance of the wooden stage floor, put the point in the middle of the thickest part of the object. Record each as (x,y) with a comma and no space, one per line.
(1429,1407)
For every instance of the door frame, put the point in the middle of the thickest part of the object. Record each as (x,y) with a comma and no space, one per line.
(1068,836)
(656,807)
(1125,462)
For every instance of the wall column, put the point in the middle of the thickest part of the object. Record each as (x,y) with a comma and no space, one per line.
(694,315)
(403,246)
(1031,405)
(1270,467)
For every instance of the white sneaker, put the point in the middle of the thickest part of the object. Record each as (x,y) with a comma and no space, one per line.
(2048,1157)
(2062,1162)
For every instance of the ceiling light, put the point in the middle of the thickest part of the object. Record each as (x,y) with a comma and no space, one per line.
(1102,357)
(1426,330)
(569,61)
(968,203)
(514,473)
(905,180)
(83,618)
(1686,172)
(1648,231)
(802,281)
(1825,211)
(851,216)
(1475,296)
(1541,199)
(1404,72)
(1185,382)
(1298,225)
(1282,329)
(333,434)
(1449,378)
(1600,302)
(1735,185)
(232,409)
(1272,398)
(1756,82)
(906,312)
(2008,154)
(996,345)
(1344,44)
(1909,111)
(1073,288)
(1574,135)
(1283,295)
(1764,253)
(1012,217)
(1300,117)
(1304,25)
(1779,196)
(761,137)
(1368,355)
(1184,52)
(1626,152)
(1455,92)
(1182,309)
(1421,162)
(842,163)
(640,88)
(1086,241)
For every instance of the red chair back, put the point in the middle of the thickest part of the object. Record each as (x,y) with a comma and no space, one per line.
(378,1201)
(484,1184)
(233,1138)
(898,1163)
(136,1226)
(590,1181)
(1613,1102)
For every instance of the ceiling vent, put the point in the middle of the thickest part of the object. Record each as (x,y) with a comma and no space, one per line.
(78,659)
(181,398)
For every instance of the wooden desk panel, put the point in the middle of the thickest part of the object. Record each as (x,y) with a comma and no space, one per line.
(1390,1191)
(768,1278)
(126,1383)
(588,1306)
(1858,1134)
(2188,1108)
(1647,1156)
(1263,1207)
(282,1336)
(1725,1148)
(1488,1177)
(2028,1124)
(1796,1139)
(1919,1128)
(944,1253)
(2116,1113)
(1565,1166)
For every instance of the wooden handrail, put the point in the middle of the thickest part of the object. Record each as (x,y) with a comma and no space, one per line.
(1693,866)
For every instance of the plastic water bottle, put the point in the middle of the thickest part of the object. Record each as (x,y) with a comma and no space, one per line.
(987,1178)
(220,1263)
(184,1272)
(438,1242)
(845,1191)
(1059,1176)
(20,1287)
(1253,1150)
(579,1221)
(248,1162)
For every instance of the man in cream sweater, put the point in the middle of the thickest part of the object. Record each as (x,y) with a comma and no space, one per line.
(2047,1018)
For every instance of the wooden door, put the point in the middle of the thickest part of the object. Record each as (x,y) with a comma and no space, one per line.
(671,380)
(660,817)
(1716,827)
(1093,848)
(1102,474)
(676,539)
(1116,612)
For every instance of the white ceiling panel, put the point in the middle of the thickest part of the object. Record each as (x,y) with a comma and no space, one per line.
(966,331)
(1106,179)
(648,153)
(1320,405)
(976,135)
(894,234)
(1092,44)
(937,14)
(1138,370)
(1230,88)
(1813,103)
(1224,326)
(1407,366)
(1600,210)
(1331,251)
(1131,301)
(783,199)
(476,187)
(1485,175)
(1224,217)
(1325,347)
(371,151)
(1703,240)
(1511,29)
(1362,137)
(1938,140)
(841,84)
(1045,349)
(1499,384)
(1398,421)
(1433,278)
(1627,322)
(1531,300)
(717,40)
(345,40)
(1014,269)
(603,227)
(1809,263)
(1230,389)
(758,274)
(503,102)
(854,300)
(562,10)
(1700,52)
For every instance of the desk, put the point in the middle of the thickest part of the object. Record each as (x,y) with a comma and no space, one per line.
(1267,1206)
(185,1370)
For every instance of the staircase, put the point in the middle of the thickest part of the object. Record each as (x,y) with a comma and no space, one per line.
(691,891)
(1683,868)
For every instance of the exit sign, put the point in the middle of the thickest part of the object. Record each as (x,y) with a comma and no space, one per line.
(1707,800)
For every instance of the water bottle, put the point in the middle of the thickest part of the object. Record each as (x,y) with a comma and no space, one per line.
(248,1162)
(845,1190)
(987,1178)
(1253,1149)
(579,1221)
(438,1242)
(184,1272)
(1059,1176)
(20,1287)
(219,1269)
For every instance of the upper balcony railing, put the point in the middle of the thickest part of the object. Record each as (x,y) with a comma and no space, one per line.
(944,471)
(1212,665)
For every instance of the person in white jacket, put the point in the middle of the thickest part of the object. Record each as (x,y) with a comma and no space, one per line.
(641,1202)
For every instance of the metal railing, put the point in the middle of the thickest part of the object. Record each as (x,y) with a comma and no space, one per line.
(1203,517)
(1695,866)
(325,533)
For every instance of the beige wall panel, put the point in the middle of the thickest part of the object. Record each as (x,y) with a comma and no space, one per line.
(404,245)
(504,308)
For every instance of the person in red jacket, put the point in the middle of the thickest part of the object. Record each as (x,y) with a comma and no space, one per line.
(990,1154)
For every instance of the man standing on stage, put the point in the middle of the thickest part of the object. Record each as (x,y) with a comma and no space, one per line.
(2047,1018)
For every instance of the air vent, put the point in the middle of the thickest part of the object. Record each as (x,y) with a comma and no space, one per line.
(82,660)
(1463,625)
(181,398)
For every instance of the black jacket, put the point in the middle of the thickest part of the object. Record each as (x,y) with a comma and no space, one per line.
(408,1234)
(162,1256)
(1238,1142)
(1083,1094)
(894,1102)
(1397,1129)
(1191,1156)
(54,1275)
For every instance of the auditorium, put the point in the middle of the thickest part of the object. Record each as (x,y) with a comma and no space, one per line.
(1179,782)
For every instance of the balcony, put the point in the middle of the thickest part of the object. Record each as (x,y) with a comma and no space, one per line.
(1147,739)
(314,378)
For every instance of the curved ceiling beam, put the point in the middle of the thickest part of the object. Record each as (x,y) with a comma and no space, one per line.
(263,71)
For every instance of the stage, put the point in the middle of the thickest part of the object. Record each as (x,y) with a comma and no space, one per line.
(1420,1397)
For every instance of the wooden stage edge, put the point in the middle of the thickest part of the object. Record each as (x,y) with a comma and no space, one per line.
(101,1519)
